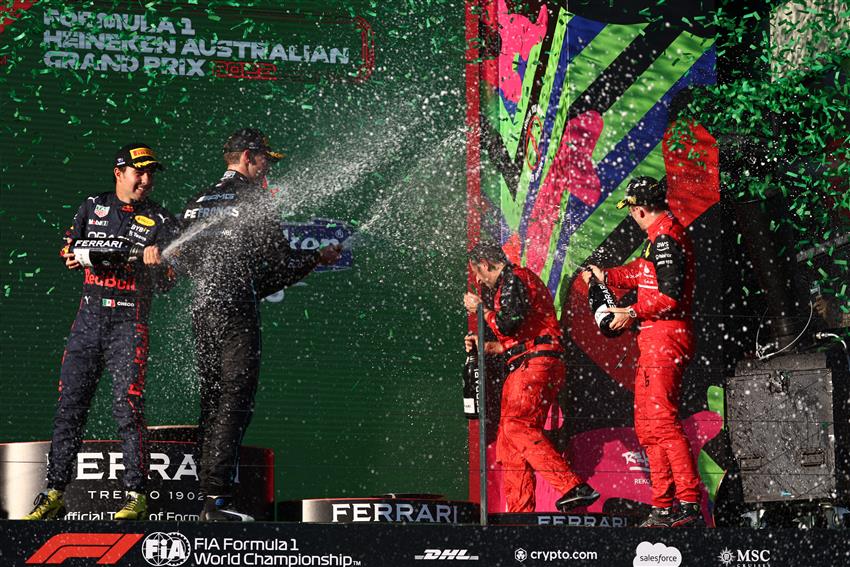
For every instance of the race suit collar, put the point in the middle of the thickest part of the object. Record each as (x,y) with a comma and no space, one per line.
(135,206)
(663,221)
(508,269)
(233,175)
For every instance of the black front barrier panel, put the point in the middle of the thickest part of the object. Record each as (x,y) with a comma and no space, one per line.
(173,544)
(96,492)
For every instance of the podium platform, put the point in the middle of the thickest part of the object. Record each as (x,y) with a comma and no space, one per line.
(96,492)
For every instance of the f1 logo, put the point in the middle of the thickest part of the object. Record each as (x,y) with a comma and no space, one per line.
(107,548)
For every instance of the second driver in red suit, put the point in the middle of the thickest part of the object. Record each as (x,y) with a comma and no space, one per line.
(664,277)
(522,316)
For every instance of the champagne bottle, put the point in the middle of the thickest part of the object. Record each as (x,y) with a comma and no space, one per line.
(600,298)
(106,252)
(471,377)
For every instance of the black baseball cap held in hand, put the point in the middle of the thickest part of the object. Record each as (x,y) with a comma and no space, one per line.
(645,192)
(137,155)
(251,139)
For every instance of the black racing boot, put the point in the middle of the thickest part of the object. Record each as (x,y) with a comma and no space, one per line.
(218,509)
(689,515)
(581,495)
(658,518)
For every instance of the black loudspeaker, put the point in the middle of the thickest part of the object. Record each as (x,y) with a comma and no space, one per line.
(789,426)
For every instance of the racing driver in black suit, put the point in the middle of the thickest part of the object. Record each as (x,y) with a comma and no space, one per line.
(233,248)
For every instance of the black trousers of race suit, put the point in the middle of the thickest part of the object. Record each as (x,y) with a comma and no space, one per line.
(109,333)
(227,349)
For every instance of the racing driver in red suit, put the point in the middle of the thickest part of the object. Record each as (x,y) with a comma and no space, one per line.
(663,275)
(522,316)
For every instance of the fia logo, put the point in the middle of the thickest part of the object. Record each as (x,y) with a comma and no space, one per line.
(162,549)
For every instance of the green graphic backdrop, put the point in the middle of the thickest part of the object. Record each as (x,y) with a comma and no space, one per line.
(360,386)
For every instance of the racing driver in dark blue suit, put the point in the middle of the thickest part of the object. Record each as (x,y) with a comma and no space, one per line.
(111,330)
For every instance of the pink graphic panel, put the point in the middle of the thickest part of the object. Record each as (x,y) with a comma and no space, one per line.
(518,36)
(614,464)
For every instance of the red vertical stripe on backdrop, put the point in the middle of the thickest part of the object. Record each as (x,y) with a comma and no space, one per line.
(473,192)
(473,132)
(477,12)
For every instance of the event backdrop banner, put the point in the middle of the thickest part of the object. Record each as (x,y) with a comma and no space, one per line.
(576,99)
(360,381)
